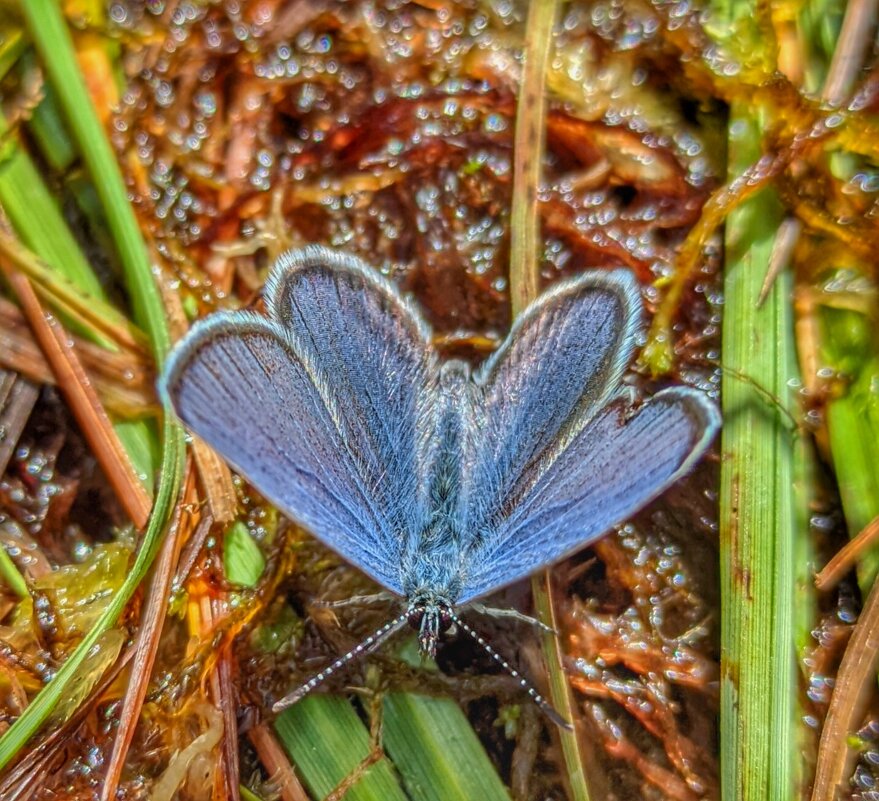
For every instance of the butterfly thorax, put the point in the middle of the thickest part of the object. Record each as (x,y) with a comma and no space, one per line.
(431,579)
(431,616)
(431,557)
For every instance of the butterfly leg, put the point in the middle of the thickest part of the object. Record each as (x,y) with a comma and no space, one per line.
(369,644)
(515,614)
(357,600)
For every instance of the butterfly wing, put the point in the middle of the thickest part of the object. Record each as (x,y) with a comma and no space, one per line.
(563,357)
(609,469)
(371,348)
(318,405)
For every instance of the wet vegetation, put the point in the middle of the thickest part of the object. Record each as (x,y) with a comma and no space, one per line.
(156,157)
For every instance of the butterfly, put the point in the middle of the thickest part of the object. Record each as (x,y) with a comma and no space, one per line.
(440,482)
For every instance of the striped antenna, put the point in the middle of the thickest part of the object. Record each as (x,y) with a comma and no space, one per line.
(372,641)
(526,685)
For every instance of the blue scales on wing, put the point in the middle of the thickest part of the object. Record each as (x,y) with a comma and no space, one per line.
(559,362)
(317,405)
(617,462)
(555,461)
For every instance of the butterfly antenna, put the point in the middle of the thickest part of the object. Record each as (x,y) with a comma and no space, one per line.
(372,641)
(526,685)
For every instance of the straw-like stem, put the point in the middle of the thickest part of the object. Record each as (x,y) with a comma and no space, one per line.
(757,502)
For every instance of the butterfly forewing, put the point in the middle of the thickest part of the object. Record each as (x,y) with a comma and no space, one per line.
(369,349)
(615,464)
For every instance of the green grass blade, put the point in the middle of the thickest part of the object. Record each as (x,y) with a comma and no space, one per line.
(49,31)
(10,575)
(243,561)
(248,795)
(327,741)
(36,217)
(47,127)
(48,130)
(436,751)
(12,45)
(141,443)
(853,424)
(434,747)
(758,519)
(45,701)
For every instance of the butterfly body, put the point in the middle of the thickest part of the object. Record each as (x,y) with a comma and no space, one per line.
(440,482)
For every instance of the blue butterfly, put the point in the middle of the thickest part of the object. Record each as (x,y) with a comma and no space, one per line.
(441,483)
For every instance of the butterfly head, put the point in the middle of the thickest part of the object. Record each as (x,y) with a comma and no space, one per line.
(432,617)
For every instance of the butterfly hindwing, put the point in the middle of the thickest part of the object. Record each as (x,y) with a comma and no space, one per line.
(610,468)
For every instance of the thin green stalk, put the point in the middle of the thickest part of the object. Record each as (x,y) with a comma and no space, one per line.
(758,519)
(49,132)
(12,45)
(803,558)
(10,575)
(47,127)
(528,149)
(849,347)
(42,705)
(248,795)
(559,688)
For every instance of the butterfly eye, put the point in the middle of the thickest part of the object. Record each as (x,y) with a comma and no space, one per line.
(414,616)
(445,619)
